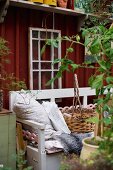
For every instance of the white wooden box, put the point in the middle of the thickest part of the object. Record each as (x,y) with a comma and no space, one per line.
(53,160)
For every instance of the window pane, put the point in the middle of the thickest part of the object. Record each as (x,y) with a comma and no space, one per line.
(35,49)
(45,77)
(45,35)
(55,53)
(35,65)
(35,34)
(35,81)
(47,53)
(55,66)
(45,65)
(55,82)
(55,35)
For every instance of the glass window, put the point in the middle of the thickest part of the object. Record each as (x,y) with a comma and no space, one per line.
(41,67)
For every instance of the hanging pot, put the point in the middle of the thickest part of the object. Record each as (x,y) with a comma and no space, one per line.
(62,3)
(1,100)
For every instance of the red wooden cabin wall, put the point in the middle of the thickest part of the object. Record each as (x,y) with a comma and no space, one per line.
(15,31)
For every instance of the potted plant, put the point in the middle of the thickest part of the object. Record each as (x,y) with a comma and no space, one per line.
(100,161)
(7,80)
(99,42)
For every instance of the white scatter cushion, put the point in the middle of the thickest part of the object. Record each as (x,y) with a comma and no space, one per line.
(26,107)
(56,117)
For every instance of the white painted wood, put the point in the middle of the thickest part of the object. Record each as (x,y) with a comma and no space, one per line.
(41,153)
(52,160)
(53,94)
(41,71)
(41,150)
(32,123)
(30,58)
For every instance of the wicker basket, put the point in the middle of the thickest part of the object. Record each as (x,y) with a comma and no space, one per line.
(76,116)
(76,119)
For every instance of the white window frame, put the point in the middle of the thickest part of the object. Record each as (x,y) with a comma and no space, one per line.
(39,70)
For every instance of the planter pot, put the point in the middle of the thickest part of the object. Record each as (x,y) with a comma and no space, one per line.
(1,100)
(87,149)
(62,3)
(50,2)
(37,1)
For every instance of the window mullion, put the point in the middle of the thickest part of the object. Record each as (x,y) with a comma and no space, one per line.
(31,61)
(39,60)
(52,59)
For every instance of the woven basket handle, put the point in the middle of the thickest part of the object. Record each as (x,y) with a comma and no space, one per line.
(76,98)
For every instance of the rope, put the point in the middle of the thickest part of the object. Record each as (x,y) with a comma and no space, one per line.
(76,98)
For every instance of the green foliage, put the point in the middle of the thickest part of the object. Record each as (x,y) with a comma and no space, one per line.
(21,163)
(4,50)
(8,80)
(101,160)
(96,6)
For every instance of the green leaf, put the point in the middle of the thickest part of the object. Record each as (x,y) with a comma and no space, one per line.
(70,49)
(97,83)
(67,61)
(50,81)
(109,79)
(93,120)
(55,43)
(48,42)
(64,67)
(107,121)
(57,60)
(95,46)
(111,52)
(107,97)
(87,41)
(90,81)
(97,92)
(43,49)
(109,86)
(74,67)
(66,38)
(99,101)
(77,38)
(105,108)
(84,33)
(102,64)
(102,28)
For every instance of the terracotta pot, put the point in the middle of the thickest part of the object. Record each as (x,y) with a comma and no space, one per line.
(87,149)
(1,100)
(62,3)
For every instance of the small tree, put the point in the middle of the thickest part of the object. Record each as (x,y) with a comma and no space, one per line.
(7,80)
(98,39)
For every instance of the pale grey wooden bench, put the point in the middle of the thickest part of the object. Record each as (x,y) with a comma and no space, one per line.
(37,157)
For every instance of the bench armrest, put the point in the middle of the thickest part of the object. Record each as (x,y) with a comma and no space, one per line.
(32,123)
(41,140)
